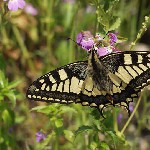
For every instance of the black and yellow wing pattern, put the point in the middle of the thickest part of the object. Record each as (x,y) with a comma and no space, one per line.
(62,85)
(114,79)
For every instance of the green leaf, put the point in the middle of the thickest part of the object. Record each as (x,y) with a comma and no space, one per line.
(1,97)
(83,129)
(11,97)
(19,119)
(44,109)
(48,138)
(13,84)
(113,136)
(112,6)
(115,24)
(69,135)
(1,140)
(2,78)
(39,108)
(104,146)
(121,39)
(7,117)
(54,109)
(103,18)
(58,123)
(69,109)
(93,146)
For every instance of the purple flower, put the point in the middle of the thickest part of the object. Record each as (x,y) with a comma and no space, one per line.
(119,118)
(29,9)
(14,5)
(131,106)
(114,49)
(10,130)
(40,136)
(102,51)
(87,44)
(98,37)
(85,40)
(113,38)
(79,38)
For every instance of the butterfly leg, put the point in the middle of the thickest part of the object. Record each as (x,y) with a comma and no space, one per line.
(101,112)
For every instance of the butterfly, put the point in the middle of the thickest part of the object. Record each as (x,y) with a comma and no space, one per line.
(113,79)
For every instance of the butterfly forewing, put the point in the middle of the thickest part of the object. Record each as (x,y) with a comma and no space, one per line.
(62,85)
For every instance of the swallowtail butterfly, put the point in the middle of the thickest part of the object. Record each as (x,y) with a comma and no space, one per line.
(114,79)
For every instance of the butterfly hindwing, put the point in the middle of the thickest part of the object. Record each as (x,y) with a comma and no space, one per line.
(129,66)
(130,71)
(126,74)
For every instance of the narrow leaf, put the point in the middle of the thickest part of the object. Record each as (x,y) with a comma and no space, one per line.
(82,129)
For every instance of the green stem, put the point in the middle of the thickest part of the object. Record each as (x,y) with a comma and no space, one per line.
(3,33)
(128,121)
(20,42)
(141,31)
(115,120)
(25,53)
(142,114)
(50,33)
(73,24)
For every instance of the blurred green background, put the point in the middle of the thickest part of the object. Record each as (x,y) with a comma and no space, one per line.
(31,46)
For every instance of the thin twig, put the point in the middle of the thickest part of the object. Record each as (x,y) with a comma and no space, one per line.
(128,121)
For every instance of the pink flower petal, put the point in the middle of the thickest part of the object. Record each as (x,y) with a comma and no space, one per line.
(85,40)
(40,136)
(102,51)
(13,5)
(79,38)
(87,44)
(29,9)
(119,118)
(21,4)
(113,38)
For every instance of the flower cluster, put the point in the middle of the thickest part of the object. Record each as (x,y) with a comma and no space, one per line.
(14,5)
(103,46)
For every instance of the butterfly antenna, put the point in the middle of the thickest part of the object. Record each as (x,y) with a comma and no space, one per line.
(106,34)
(72,40)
